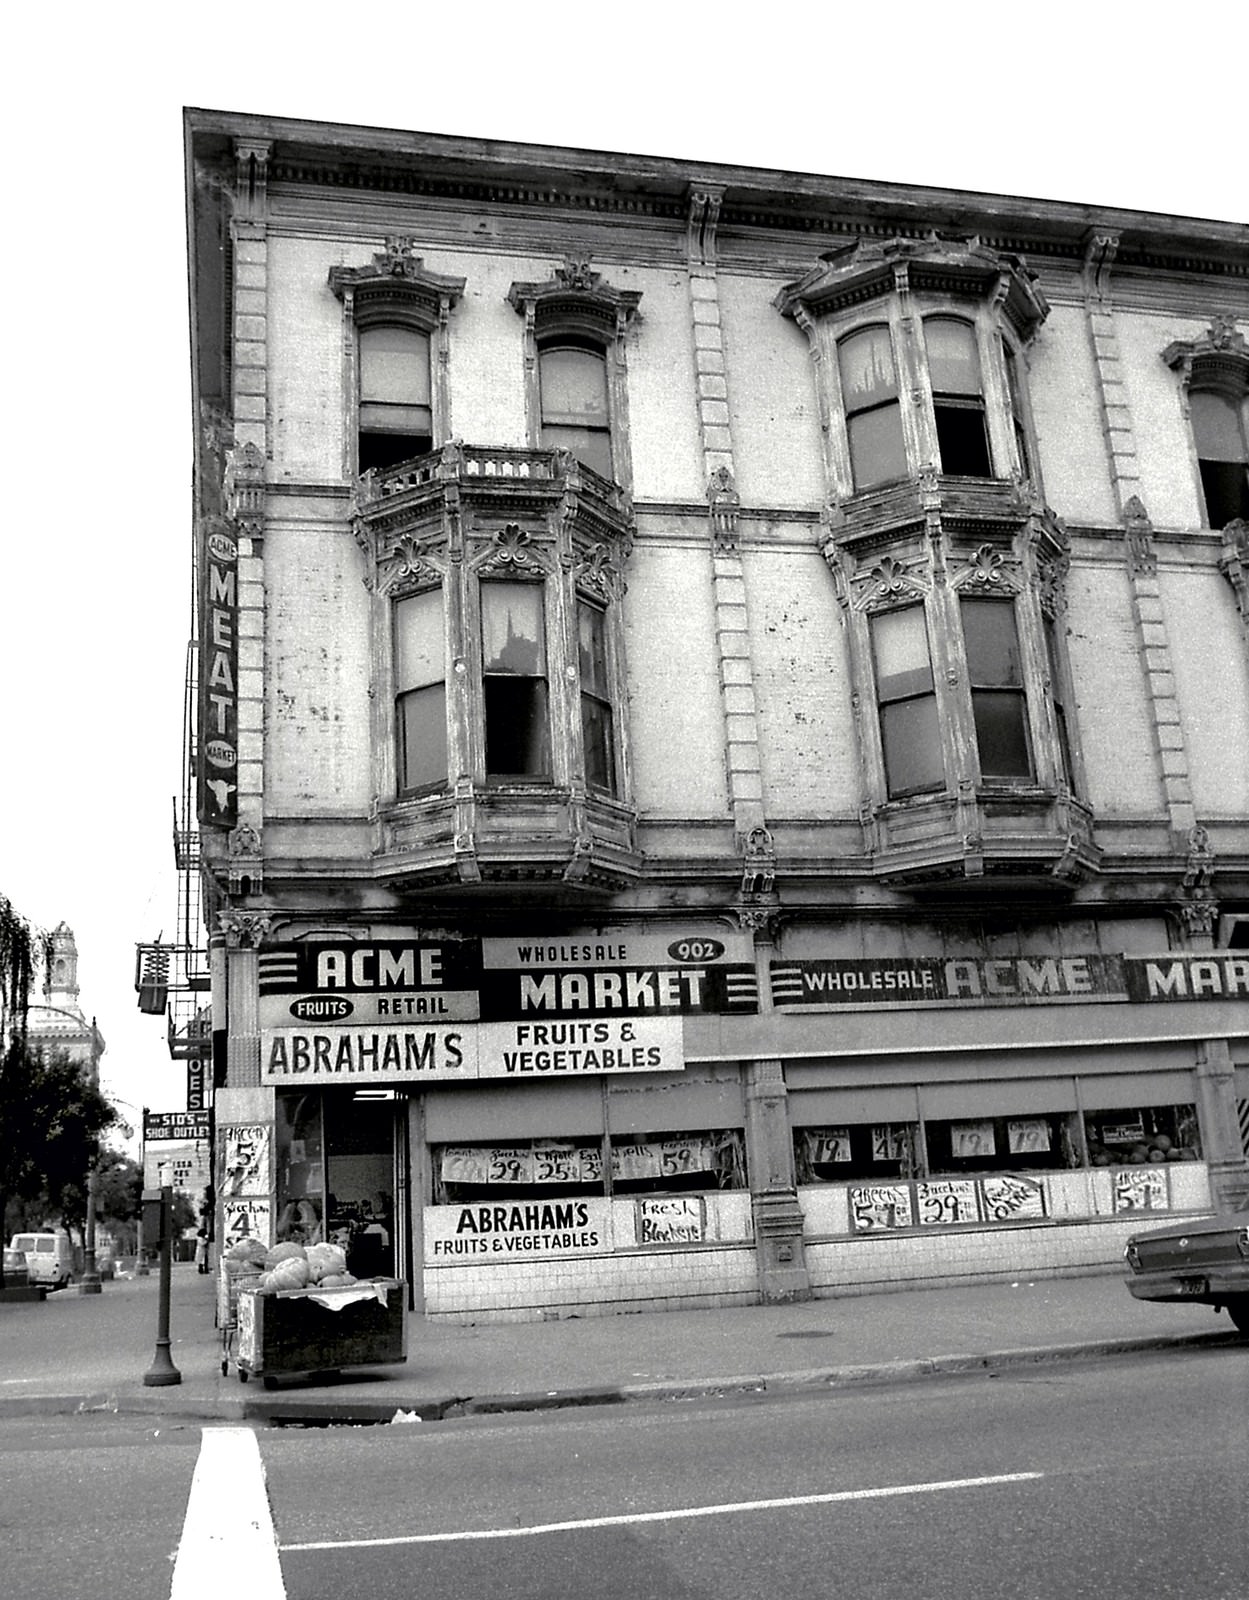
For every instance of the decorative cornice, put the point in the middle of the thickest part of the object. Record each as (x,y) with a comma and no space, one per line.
(1234,563)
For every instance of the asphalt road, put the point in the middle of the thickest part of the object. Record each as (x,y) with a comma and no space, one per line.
(1117,1478)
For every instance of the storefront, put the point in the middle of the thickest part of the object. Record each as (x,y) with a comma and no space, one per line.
(519,1127)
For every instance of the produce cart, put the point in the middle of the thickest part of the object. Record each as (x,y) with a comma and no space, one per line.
(321,1329)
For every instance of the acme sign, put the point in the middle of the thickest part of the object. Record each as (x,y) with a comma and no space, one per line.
(858,983)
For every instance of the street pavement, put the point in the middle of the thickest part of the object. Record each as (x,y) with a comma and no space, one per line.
(89,1353)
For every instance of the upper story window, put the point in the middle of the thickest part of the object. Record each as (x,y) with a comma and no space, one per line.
(995,682)
(906,700)
(869,387)
(1215,374)
(396,418)
(420,691)
(514,681)
(576,395)
(957,397)
(575,412)
(920,361)
(1220,430)
(396,357)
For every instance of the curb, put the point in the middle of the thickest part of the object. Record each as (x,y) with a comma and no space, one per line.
(294,1410)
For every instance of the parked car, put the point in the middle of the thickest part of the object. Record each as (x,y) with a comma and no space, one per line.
(49,1256)
(1204,1260)
(14,1267)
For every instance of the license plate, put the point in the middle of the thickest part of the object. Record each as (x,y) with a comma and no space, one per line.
(1193,1285)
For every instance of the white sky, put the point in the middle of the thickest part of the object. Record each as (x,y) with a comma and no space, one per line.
(1116,105)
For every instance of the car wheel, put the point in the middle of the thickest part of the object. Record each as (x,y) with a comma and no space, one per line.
(1238,1310)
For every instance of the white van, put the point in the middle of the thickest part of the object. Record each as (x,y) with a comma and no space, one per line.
(49,1256)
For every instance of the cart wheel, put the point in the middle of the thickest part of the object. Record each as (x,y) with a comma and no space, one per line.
(243,1376)
(225,1366)
(269,1383)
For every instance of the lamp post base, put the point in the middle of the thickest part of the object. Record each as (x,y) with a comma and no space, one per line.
(162,1372)
(89,1286)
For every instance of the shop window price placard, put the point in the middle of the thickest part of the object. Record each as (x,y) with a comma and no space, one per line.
(944,1202)
(1141,1189)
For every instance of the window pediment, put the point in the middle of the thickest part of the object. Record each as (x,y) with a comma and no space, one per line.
(575,300)
(397,287)
(870,269)
(1218,359)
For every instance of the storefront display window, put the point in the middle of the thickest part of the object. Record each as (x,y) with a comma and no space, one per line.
(859,1150)
(1138,1136)
(541,1169)
(986,1144)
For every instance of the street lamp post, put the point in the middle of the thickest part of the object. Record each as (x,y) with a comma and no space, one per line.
(89,1283)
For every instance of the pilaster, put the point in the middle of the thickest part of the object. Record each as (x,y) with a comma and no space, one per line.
(1117,428)
(737,687)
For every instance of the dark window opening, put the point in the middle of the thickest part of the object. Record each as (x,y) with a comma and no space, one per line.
(957,398)
(1222,455)
(857,1150)
(1058,698)
(995,672)
(513,646)
(996,1144)
(910,731)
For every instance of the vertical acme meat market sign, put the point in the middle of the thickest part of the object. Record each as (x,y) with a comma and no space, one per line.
(218,695)
(443,1011)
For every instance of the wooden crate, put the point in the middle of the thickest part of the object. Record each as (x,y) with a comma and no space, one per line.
(295,1332)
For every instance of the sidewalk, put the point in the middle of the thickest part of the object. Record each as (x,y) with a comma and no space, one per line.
(89,1353)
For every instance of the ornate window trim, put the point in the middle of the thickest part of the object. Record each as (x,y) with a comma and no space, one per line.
(577,304)
(903,283)
(1216,363)
(396,290)
(1029,826)
(454,521)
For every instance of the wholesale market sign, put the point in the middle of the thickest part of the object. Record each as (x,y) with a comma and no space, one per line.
(857,984)
(448,1011)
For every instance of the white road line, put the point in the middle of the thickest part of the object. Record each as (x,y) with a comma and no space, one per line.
(671,1516)
(228,1540)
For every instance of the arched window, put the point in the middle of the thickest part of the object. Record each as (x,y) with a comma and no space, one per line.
(869,389)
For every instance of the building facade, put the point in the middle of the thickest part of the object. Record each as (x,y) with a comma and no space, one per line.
(723,743)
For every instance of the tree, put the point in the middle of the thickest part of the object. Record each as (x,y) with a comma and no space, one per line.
(21,948)
(51,1119)
(119,1195)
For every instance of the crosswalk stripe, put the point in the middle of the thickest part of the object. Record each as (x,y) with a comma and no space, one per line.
(227,1532)
(633,1518)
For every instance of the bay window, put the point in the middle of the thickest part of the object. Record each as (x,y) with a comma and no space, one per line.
(906,701)
(996,683)
(598,736)
(420,691)
(514,681)
(957,397)
(869,388)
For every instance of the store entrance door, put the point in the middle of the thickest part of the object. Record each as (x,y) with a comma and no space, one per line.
(363,1149)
